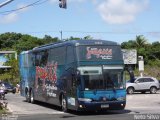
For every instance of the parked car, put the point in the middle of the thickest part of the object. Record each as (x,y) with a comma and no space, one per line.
(143,84)
(9,88)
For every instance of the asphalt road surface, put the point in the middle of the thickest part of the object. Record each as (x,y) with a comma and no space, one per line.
(138,106)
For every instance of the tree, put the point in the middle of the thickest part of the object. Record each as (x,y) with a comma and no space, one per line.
(10,74)
(156,50)
(7,40)
(48,39)
(128,45)
(27,42)
(140,41)
(73,38)
(14,71)
(88,37)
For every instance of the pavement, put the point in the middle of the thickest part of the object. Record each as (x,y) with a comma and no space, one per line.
(137,104)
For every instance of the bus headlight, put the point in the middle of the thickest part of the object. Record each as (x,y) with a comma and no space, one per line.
(121,98)
(85,99)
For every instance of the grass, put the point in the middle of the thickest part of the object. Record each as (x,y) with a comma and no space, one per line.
(3,111)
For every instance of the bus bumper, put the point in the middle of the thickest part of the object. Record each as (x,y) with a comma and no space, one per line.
(95,106)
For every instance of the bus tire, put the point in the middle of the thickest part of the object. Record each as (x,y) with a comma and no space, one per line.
(64,104)
(31,98)
(122,107)
(27,95)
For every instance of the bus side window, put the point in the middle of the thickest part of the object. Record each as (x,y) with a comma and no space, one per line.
(37,59)
(70,57)
(44,58)
(57,55)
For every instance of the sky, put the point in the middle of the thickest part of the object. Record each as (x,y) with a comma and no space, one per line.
(114,20)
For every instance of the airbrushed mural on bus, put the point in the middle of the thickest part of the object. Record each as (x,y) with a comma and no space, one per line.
(80,75)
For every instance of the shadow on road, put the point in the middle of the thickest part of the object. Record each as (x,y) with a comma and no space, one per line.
(139,93)
(46,105)
(84,113)
(106,112)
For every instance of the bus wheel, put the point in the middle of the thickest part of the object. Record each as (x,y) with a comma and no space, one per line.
(122,107)
(64,104)
(32,97)
(27,95)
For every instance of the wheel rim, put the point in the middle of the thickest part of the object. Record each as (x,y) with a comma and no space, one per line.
(32,100)
(27,96)
(130,90)
(64,104)
(153,90)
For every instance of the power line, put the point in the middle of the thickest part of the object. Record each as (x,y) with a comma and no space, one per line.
(96,32)
(92,32)
(41,2)
(38,2)
(5,3)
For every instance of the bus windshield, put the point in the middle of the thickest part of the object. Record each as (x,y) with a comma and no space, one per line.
(100,78)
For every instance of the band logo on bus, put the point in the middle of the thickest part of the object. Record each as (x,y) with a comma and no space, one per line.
(48,72)
(99,53)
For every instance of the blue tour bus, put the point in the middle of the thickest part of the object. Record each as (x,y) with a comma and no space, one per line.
(78,75)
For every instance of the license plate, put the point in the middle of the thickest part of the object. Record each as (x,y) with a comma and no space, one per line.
(105,106)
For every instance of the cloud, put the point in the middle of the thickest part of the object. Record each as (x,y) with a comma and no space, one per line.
(13,16)
(121,11)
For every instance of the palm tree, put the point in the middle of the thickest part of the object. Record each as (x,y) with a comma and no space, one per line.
(140,41)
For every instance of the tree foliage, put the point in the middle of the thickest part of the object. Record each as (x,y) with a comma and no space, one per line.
(150,52)
(20,42)
(140,41)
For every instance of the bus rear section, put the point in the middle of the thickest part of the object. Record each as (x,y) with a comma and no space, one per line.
(27,73)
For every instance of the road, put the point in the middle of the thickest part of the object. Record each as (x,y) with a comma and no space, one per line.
(137,104)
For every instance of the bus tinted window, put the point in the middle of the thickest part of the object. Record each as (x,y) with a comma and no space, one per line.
(70,54)
(41,58)
(57,55)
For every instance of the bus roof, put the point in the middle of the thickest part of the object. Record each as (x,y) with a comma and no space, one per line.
(26,52)
(76,43)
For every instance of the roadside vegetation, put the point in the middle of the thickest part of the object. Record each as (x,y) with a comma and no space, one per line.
(3,108)
(2,111)
(150,53)
(21,42)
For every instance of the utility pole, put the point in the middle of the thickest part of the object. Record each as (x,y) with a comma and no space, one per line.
(61,34)
(5,3)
